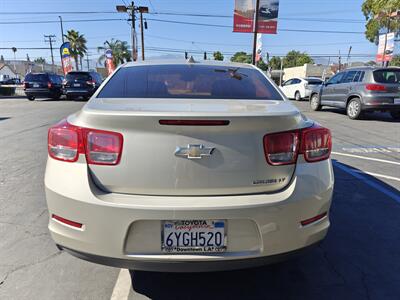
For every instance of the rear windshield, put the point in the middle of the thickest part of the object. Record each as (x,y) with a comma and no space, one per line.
(78,76)
(36,77)
(189,81)
(314,81)
(387,76)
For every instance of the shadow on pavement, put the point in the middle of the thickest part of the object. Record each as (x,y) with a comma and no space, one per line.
(367,116)
(4,118)
(359,259)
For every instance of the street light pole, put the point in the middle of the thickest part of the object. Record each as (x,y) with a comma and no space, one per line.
(255,32)
(133,31)
(62,29)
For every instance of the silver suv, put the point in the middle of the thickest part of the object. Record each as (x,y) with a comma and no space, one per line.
(359,90)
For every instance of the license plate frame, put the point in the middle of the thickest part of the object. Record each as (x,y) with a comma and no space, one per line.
(203,236)
(36,85)
(76,85)
(396,100)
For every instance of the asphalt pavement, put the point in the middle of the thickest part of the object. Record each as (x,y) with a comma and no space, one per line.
(359,259)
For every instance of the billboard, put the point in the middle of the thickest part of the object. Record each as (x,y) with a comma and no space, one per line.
(66,57)
(109,61)
(385,53)
(244,15)
(268,16)
(243,18)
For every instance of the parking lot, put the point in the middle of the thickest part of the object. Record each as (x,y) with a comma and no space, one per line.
(359,259)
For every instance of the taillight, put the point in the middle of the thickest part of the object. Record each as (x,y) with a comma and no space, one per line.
(375,87)
(66,142)
(49,85)
(25,85)
(315,143)
(281,148)
(103,147)
(91,82)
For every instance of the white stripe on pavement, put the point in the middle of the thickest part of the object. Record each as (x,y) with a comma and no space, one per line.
(122,286)
(367,158)
(378,175)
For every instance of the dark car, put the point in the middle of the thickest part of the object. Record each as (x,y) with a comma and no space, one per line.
(81,84)
(12,81)
(46,85)
(359,90)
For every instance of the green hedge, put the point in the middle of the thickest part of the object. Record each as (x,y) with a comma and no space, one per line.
(7,91)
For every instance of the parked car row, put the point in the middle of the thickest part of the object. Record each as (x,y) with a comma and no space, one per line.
(77,84)
(358,90)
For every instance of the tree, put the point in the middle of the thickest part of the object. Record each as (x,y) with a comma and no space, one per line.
(370,63)
(39,60)
(218,55)
(262,65)
(77,45)
(377,14)
(120,51)
(241,57)
(275,63)
(395,61)
(296,58)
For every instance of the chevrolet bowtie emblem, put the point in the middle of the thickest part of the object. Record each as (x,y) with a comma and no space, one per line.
(194,151)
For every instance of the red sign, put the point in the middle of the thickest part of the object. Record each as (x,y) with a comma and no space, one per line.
(268,16)
(243,18)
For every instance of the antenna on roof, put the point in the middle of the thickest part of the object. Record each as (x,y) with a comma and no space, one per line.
(191,60)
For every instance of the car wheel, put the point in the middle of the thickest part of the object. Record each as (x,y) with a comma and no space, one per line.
(69,97)
(297,96)
(315,104)
(353,109)
(31,98)
(395,115)
(56,97)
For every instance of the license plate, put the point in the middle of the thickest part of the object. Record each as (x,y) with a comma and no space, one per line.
(396,101)
(35,85)
(77,85)
(182,236)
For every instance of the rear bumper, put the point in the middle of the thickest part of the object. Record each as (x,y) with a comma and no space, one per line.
(125,230)
(380,106)
(78,92)
(42,92)
(380,102)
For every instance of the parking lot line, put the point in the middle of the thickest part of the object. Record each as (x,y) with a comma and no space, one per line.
(122,286)
(367,158)
(379,175)
(358,175)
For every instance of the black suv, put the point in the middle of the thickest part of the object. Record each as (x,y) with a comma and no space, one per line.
(42,85)
(81,84)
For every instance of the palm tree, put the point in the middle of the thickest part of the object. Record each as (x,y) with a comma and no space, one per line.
(121,53)
(77,45)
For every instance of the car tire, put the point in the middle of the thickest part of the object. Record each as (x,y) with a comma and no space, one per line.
(395,115)
(69,97)
(315,103)
(297,96)
(353,109)
(31,98)
(56,97)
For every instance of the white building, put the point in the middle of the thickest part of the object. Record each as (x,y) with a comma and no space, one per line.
(308,70)
(6,72)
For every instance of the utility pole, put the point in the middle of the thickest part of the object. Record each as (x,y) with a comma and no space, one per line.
(255,32)
(87,61)
(62,29)
(348,57)
(132,9)
(50,39)
(340,62)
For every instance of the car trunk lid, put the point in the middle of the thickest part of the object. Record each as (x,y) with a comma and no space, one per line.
(150,163)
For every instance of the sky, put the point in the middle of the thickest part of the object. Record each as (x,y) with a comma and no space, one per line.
(325,15)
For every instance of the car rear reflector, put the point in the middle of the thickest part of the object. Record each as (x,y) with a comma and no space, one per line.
(281,148)
(195,122)
(313,219)
(375,87)
(316,143)
(103,147)
(66,221)
(66,142)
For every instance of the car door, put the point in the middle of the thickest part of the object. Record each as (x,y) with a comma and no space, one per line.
(342,89)
(328,92)
(294,87)
(286,87)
